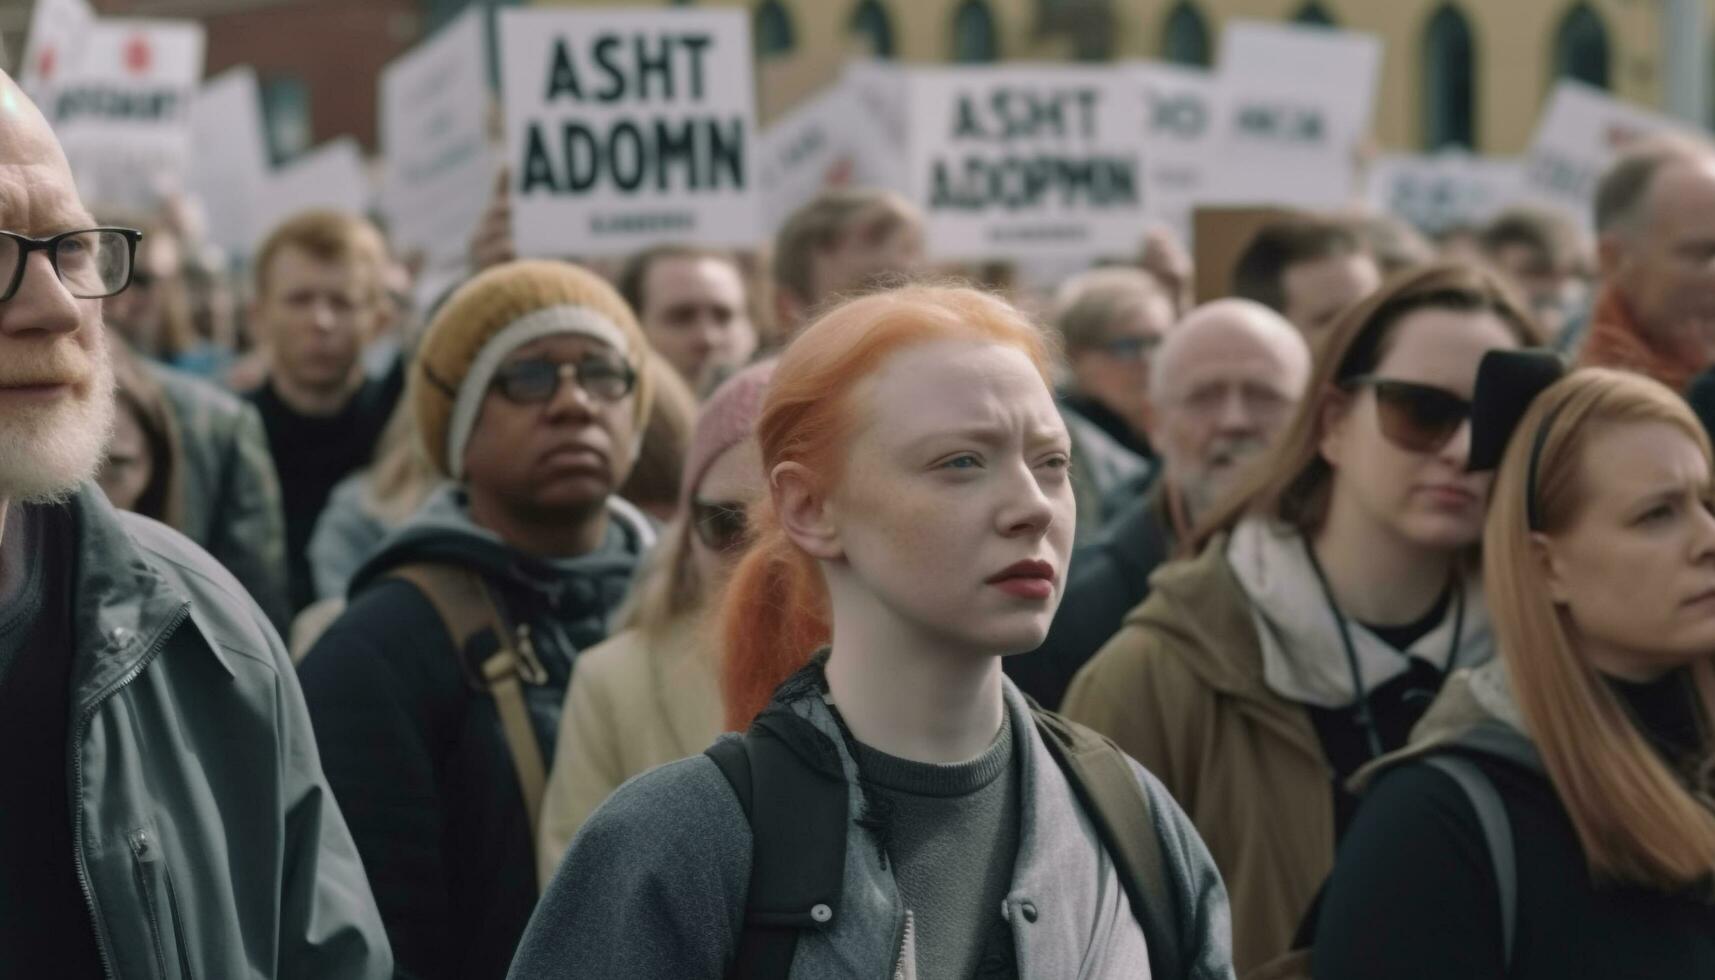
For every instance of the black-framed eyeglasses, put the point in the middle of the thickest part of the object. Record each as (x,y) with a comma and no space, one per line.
(538,379)
(91,262)
(721,525)
(1417,418)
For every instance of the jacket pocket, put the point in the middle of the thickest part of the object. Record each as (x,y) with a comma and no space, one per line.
(160,904)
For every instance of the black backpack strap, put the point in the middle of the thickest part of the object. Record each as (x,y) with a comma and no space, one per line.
(798,817)
(1497,832)
(1102,778)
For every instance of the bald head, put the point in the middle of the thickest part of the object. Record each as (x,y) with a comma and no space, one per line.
(1224,384)
(30,151)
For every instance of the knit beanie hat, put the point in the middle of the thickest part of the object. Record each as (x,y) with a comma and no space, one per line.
(493,314)
(728,418)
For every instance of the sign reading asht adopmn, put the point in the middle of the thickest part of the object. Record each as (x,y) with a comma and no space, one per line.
(628,128)
(1009,162)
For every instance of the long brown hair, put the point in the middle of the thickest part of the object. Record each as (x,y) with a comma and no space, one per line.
(139,394)
(775,611)
(1636,821)
(1291,482)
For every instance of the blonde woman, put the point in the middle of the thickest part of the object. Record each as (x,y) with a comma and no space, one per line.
(649,695)
(1592,729)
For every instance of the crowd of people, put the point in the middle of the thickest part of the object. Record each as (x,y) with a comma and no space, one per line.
(831,612)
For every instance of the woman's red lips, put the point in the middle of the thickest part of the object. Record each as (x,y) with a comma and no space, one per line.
(1029,569)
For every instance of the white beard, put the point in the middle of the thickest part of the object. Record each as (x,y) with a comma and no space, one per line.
(47,452)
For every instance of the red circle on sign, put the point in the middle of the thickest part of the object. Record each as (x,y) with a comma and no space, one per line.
(137,55)
(45,64)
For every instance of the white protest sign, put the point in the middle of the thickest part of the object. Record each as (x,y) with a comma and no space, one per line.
(829,140)
(434,135)
(57,32)
(880,123)
(1182,108)
(1297,107)
(1581,132)
(629,128)
(1444,191)
(332,176)
(229,171)
(1017,162)
(122,111)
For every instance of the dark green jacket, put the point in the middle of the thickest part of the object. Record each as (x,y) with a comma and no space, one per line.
(207,842)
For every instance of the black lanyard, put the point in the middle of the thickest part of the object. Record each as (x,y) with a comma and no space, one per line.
(1367,716)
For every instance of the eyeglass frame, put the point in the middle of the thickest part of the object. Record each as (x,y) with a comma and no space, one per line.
(561,368)
(26,245)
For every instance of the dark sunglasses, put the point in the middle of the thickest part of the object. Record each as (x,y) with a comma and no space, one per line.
(722,526)
(538,379)
(1415,417)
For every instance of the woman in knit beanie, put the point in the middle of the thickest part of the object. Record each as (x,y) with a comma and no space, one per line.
(649,694)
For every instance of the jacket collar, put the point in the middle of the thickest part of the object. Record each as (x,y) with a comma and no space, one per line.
(1475,712)
(123,606)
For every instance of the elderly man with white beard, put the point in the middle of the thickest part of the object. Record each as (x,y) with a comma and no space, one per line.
(165,812)
(1223,384)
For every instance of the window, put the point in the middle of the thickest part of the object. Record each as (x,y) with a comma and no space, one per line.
(1185,38)
(1449,89)
(774,33)
(286,116)
(1313,14)
(870,22)
(974,40)
(1581,47)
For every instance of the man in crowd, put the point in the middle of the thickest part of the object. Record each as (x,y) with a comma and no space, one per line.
(1543,253)
(164,804)
(1307,269)
(1223,385)
(319,301)
(841,244)
(1655,228)
(436,695)
(693,307)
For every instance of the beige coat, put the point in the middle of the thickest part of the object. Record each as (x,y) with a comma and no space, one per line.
(633,705)
(1180,688)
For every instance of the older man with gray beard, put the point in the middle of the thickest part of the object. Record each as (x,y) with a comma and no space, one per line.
(1223,384)
(164,811)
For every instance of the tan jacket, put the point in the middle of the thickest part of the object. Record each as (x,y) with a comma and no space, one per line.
(1180,688)
(632,705)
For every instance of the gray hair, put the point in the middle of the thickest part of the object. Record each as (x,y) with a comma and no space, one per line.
(1088,303)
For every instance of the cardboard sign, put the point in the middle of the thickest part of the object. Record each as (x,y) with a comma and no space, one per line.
(1009,162)
(1182,112)
(1580,133)
(434,133)
(1222,235)
(332,175)
(1298,102)
(1444,191)
(57,32)
(830,140)
(122,112)
(229,171)
(629,128)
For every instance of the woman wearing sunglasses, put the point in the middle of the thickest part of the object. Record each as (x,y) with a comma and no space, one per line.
(1330,597)
(1588,848)
(649,695)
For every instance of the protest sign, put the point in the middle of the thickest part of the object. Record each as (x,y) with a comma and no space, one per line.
(332,175)
(1181,111)
(434,135)
(1444,191)
(1579,135)
(57,31)
(879,120)
(122,109)
(229,171)
(830,140)
(628,128)
(1297,104)
(1009,162)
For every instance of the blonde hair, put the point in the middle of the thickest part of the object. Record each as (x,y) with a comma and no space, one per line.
(1636,821)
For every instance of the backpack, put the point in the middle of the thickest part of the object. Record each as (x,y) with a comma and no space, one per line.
(495,659)
(1497,833)
(799,815)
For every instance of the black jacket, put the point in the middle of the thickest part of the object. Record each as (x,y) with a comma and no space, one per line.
(413,746)
(1107,579)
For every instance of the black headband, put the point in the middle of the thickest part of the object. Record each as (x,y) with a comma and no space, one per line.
(1508,383)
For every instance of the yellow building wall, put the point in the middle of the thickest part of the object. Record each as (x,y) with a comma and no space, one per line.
(1513,40)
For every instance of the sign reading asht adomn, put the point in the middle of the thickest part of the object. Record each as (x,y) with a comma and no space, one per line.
(629,128)
(1010,162)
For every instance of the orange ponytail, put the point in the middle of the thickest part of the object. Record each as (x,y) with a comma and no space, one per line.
(774,614)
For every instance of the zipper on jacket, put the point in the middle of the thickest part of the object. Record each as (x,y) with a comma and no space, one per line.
(77,776)
(905,964)
(141,858)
